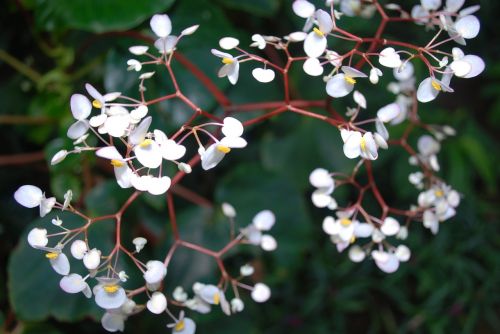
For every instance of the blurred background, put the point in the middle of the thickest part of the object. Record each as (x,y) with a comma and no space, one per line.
(49,49)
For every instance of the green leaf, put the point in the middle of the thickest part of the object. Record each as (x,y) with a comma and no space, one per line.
(95,15)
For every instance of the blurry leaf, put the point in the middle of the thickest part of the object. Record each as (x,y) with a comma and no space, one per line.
(106,198)
(95,15)
(254,7)
(479,158)
(39,328)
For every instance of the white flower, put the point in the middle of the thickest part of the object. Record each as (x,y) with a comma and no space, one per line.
(359,99)
(390,226)
(312,66)
(237,305)
(404,72)
(321,179)
(386,262)
(232,130)
(31,196)
(466,27)
(356,254)
(170,150)
(37,237)
(147,151)
(345,229)
(261,293)
(315,42)
(466,66)
(78,249)
(157,303)
(230,68)
(162,27)
(403,253)
(183,325)
(342,84)
(179,294)
(213,295)
(59,261)
(123,173)
(113,321)
(153,185)
(375,73)
(190,30)
(246,270)
(268,243)
(155,273)
(356,145)
(258,41)
(74,283)
(139,243)
(58,157)
(264,220)
(228,210)
(389,58)
(80,108)
(430,87)
(138,50)
(263,75)
(92,259)
(108,294)
(228,43)
(100,101)
(389,112)
(167,44)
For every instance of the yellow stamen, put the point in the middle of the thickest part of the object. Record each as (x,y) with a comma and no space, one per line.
(216,299)
(117,163)
(97,104)
(146,142)
(439,193)
(436,85)
(349,80)
(111,288)
(318,32)
(179,326)
(223,149)
(353,239)
(226,60)
(52,255)
(345,222)
(362,143)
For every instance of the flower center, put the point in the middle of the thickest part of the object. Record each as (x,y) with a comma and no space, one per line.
(353,239)
(111,288)
(117,163)
(179,326)
(318,32)
(146,142)
(223,149)
(439,193)
(52,255)
(97,104)
(362,143)
(226,60)
(345,222)
(349,80)
(216,298)
(436,85)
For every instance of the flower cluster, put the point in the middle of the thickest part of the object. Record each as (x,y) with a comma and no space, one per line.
(140,153)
